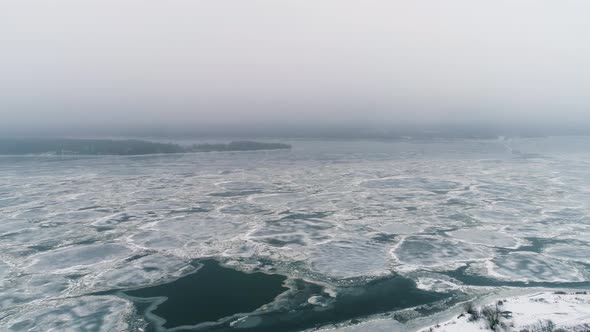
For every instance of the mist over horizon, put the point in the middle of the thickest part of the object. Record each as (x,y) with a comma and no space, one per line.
(258,66)
(298,131)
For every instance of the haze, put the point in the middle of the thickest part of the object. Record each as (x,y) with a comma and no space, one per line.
(262,63)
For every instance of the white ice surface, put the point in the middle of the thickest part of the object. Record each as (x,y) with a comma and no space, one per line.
(420,251)
(579,253)
(96,313)
(530,266)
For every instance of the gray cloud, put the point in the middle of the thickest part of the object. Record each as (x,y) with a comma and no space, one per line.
(254,61)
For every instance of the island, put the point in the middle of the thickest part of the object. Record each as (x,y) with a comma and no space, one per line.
(69,146)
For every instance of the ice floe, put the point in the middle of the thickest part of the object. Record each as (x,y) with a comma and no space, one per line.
(97,313)
(429,251)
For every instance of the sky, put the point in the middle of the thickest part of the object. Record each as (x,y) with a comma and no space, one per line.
(265,62)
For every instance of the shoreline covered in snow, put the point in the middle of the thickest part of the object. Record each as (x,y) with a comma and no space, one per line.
(539,311)
(518,310)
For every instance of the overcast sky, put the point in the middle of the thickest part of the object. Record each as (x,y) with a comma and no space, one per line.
(251,61)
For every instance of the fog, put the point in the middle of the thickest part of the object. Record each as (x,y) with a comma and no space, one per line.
(134,64)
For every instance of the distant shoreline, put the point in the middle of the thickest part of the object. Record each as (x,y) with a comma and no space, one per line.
(131,147)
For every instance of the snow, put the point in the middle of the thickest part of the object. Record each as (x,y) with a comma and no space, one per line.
(568,311)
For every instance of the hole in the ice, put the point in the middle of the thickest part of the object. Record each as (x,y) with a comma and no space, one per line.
(212,293)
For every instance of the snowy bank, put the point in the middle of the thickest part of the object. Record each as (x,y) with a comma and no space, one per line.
(558,311)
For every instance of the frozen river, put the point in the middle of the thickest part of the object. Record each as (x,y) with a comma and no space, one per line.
(338,231)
